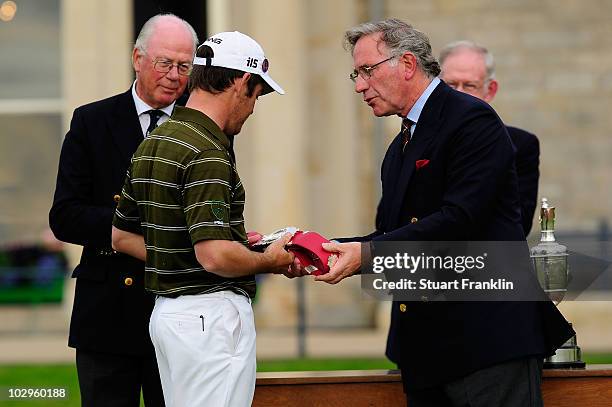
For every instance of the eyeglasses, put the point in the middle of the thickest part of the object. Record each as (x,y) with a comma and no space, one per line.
(162,65)
(366,71)
(468,86)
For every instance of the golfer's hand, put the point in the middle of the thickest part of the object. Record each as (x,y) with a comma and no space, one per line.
(279,259)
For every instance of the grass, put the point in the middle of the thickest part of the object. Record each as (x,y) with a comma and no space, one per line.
(597,358)
(39,376)
(64,376)
(323,364)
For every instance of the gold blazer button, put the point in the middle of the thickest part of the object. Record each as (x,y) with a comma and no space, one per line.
(402,307)
(128,281)
(116,197)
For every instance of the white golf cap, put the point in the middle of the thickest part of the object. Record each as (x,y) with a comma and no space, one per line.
(236,50)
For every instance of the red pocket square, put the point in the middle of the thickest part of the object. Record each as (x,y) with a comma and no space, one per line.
(421,163)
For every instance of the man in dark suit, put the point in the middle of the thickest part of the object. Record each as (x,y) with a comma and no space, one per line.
(448,176)
(470,68)
(110,316)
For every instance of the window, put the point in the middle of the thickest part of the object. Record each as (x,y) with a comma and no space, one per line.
(30,113)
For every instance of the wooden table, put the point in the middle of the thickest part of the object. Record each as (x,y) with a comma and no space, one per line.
(590,387)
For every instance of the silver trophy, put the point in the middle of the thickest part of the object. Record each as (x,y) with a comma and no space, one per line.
(551,266)
(270,238)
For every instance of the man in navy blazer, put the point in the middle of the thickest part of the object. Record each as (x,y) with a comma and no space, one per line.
(110,316)
(448,176)
(470,68)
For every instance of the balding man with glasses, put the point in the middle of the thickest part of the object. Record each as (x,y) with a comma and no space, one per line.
(469,67)
(109,326)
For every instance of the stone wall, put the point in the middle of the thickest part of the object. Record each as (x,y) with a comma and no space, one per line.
(311,158)
(554,66)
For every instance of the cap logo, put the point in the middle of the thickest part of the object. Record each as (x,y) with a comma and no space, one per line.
(235,50)
(252,62)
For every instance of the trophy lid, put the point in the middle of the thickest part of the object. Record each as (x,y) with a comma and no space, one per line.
(548,249)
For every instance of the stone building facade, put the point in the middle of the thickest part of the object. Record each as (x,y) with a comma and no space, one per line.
(311,158)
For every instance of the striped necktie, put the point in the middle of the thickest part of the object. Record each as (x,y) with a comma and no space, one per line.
(154,115)
(405,131)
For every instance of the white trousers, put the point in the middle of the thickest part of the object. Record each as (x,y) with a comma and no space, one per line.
(205,348)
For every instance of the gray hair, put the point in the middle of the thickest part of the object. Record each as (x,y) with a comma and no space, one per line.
(149,28)
(399,37)
(453,47)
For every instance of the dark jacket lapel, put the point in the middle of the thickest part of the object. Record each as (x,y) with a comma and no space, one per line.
(425,131)
(392,164)
(124,125)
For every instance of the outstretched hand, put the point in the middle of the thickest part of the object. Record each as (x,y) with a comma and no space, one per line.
(347,264)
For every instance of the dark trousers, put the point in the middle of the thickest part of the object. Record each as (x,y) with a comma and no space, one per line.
(511,384)
(116,380)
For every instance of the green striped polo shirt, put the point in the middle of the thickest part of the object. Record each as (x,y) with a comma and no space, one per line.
(182,187)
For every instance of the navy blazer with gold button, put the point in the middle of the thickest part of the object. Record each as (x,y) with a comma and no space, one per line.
(111,309)
(456,180)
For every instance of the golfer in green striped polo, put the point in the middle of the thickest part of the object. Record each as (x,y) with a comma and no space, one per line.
(181,210)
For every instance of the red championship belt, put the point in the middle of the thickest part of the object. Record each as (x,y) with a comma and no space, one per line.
(307,248)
